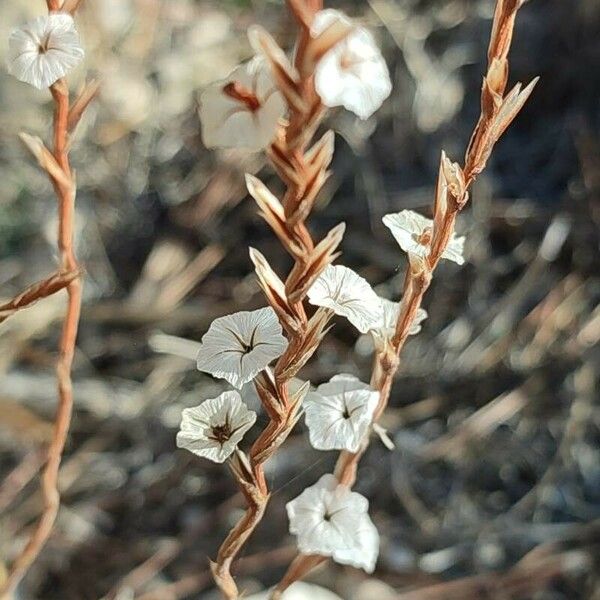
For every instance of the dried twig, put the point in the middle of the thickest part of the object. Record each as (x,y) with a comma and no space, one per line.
(56,164)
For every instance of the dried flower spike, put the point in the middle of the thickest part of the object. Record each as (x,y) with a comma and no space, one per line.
(44,50)
(215,428)
(339,413)
(243,110)
(349,295)
(353,73)
(330,520)
(239,346)
(413,232)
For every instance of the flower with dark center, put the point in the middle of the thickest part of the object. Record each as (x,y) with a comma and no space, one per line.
(214,428)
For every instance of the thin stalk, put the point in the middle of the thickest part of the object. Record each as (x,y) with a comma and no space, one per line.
(65,193)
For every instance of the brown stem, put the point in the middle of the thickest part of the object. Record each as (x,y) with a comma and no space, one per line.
(291,145)
(65,193)
(418,275)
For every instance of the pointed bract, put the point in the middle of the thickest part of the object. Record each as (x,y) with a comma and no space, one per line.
(330,520)
(349,295)
(338,413)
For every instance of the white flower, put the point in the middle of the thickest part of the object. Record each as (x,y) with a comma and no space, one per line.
(330,520)
(44,50)
(299,591)
(413,232)
(339,413)
(214,428)
(353,73)
(364,554)
(391,310)
(238,346)
(243,110)
(349,295)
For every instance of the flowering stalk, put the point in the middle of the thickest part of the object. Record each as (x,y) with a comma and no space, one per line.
(429,242)
(40,54)
(304,172)
(336,63)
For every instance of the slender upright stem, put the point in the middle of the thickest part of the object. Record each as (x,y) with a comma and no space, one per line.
(497,111)
(290,145)
(65,193)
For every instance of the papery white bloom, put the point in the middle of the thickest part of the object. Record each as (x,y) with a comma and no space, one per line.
(238,346)
(413,232)
(243,110)
(214,428)
(364,554)
(353,74)
(391,310)
(349,295)
(44,50)
(299,591)
(330,520)
(338,413)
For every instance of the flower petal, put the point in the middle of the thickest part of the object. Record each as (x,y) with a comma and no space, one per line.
(238,346)
(349,295)
(196,431)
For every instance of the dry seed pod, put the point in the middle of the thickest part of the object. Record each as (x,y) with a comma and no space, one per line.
(37,291)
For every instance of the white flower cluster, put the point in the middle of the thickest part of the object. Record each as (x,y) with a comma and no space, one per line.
(236,348)
(44,50)
(330,520)
(244,109)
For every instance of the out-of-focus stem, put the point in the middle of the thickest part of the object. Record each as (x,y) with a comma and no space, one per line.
(65,192)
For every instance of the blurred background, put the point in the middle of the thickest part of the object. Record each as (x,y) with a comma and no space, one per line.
(493,490)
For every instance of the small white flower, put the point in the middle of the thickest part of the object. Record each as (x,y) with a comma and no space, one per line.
(330,520)
(214,428)
(299,591)
(391,310)
(339,413)
(243,110)
(363,555)
(353,74)
(413,232)
(349,295)
(44,50)
(238,346)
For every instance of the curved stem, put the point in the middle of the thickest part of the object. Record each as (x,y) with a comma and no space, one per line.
(65,193)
